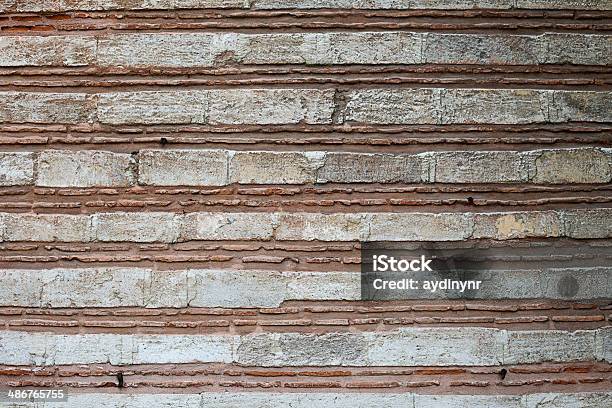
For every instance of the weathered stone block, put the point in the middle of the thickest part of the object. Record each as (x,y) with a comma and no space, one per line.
(497,106)
(481,49)
(183,167)
(153,107)
(19,51)
(300,349)
(42,107)
(136,227)
(16,169)
(66,168)
(393,106)
(525,347)
(478,167)
(581,106)
(513,225)
(271,106)
(369,168)
(564,166)
(585,223)
(228,226)
(436,347)
(419,227)
(275,167)
(47,228)
(321,227)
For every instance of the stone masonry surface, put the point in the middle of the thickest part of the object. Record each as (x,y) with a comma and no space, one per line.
(185,188)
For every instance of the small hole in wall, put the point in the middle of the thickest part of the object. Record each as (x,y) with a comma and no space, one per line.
(163,141)
(120,383)
(503,373)
(470,200)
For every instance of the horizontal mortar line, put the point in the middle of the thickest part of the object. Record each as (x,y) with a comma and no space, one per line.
(397,206)
(145,85)
(454,375)
(295,325)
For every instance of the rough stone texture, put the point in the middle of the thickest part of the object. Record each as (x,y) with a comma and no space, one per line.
(186,50)
(468,401)
(501,106)
(258,399)
(577,49)
(275,168)
(153,107)
(163,50)
(585,223)
(184,191)
(565,4)
(576,283)
(38,107)
(477,167)
(517,225)
(481,49)
(228,226)
(581,106)
(322,227)
(331,48)
(297,349)
(139,287)
(46,228)
(549,346)
(391,106)
(17,51)
(50,349)
(436,346)
(136,227)
(98,5)
(369,168)
(16,169)
(568,400)
(419,227)
(183,167)
(271,106)
(63,168)
(572,166)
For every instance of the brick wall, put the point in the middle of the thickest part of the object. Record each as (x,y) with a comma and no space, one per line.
(184,186)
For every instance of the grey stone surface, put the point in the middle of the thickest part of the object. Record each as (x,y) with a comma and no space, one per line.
(228,226)
(44,107)
(46,227)
(256,167)
(153,107)
(66,168)
(136,227)
(478,167)
(511,225)
(183,167)
(16,168)
(419,227)
(271,106)
(564,166)
(370,168)
(22,51)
